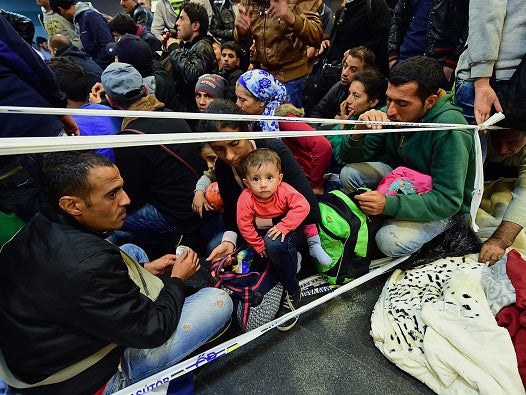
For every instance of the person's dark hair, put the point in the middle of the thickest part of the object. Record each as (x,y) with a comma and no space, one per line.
(197,13)
(66,174)
(41,40)
(374,83)
(425,71)
(363,53)
(223,106)
(71,78)
(122,24)
(200,147)
(233,47)
(258,158)
(64,4)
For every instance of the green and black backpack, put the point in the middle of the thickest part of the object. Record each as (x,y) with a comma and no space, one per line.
(344,234)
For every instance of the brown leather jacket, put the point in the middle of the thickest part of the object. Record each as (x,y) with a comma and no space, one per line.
(282,50)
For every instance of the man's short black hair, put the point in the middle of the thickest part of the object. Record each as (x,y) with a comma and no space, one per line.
(71,78)
(64,4)
(41,40)
(425,71)
(197,13)
(364,54)
(223,106)
(233,46)
(122,24)
(67,174)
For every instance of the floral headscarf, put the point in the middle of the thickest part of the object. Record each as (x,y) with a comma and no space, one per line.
(265,87)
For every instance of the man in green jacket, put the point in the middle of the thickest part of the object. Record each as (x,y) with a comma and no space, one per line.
(448,156)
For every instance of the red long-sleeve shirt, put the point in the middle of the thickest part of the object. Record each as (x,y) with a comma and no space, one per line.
(286,201)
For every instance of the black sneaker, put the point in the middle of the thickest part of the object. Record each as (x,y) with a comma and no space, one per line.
(289,303)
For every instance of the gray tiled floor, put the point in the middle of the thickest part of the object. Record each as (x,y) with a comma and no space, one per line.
(329,351)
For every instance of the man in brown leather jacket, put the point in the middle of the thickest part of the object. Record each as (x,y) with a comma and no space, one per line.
(281,30)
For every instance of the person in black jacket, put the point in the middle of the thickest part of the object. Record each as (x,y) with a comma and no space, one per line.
(135,51)
(159,179)
(191,54)
(434,28)
(87,297)
(122,24)
(354,60)
(141,16)
(60,45)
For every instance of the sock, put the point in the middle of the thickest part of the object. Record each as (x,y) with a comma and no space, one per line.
(316,250)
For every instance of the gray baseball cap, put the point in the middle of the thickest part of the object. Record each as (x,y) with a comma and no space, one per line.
(123,83)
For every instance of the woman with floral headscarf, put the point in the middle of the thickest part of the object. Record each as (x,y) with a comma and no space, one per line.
(260,93)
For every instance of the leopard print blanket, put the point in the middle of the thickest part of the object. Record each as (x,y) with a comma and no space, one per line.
(435,323)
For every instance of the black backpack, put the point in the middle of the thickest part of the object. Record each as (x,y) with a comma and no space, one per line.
(345,233)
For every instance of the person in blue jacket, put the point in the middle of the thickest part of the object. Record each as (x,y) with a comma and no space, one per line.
(93,29)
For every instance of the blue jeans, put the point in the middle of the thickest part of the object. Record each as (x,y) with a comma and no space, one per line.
(283,257)
(204,314)
(295,91)
(147,225)
(136,253)
(20,185)
(465,97)
(395,238)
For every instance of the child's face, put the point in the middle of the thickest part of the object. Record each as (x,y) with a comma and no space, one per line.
(263,181)
(209,156)
(229,59)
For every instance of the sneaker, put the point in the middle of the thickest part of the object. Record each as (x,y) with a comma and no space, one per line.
(289,303)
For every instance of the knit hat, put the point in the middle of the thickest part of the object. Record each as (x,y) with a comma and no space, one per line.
(122,83)
(213,84)
(133,50)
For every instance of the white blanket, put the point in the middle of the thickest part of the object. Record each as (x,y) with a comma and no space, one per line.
(434,322)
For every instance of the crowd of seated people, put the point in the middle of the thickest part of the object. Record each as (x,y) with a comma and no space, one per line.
(130,203)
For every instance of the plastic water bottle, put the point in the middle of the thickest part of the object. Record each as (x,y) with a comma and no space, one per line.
(179,251)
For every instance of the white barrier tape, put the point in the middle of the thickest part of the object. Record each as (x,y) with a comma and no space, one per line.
(26,145)
(150,383)
(199,115)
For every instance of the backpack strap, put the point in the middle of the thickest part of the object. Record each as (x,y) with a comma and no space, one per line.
(164,147)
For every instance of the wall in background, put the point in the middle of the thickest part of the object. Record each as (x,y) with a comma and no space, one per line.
(30,9)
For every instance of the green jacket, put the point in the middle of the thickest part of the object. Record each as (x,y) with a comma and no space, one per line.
(448,156)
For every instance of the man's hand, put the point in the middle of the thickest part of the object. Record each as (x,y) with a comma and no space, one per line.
(448,72)
(391,64)
(492,251)
(274,233)
(186,265)
(70,126)
(280,11)
(162,265)
(323,46)
(243,20)
(371,202)
(371,115)
(220,251)
(96,91)
(494,248)
(485,99)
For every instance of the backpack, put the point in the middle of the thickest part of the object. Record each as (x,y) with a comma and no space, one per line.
(344,233)
(256,293)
